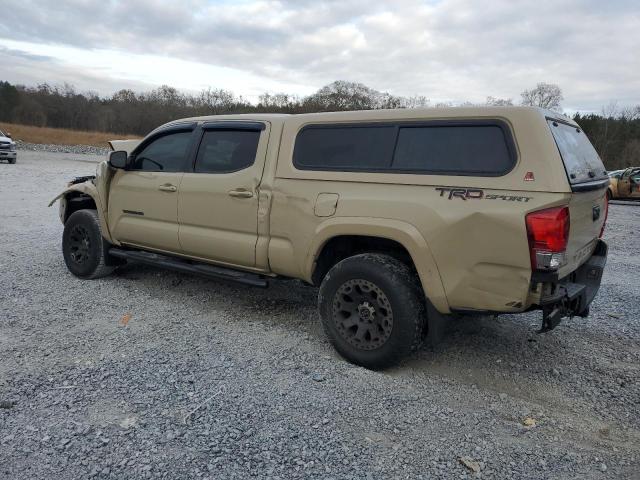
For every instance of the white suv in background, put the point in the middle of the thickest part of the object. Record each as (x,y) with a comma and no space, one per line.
(7,148)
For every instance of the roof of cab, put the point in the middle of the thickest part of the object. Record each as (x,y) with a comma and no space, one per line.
(383,114)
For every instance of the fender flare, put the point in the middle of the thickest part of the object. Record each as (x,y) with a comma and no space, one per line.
(402,232)
(89,189)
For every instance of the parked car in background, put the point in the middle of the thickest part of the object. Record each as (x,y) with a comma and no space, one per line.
(624,183)
(7,148)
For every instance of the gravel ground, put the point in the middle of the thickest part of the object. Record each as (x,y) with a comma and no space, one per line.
(214,380)
(41,147)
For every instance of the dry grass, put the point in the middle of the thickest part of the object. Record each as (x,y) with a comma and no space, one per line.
(60,136)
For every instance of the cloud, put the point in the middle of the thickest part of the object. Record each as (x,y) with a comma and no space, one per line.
(105,71)
(23,67)
(10,56)
(446,50)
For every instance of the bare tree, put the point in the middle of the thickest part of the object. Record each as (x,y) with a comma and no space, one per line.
(416,101)
(214,101)
(499,102)
(279,101)
(544,95)
(343,95)
(630,154)
(607,135)
(630,113)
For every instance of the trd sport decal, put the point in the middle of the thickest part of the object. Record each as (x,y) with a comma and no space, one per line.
(508,198)
(463,193)
(477,194)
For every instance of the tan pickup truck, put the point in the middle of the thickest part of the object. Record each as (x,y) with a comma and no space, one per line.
(403,218)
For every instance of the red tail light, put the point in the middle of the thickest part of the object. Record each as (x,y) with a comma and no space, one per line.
(548,233)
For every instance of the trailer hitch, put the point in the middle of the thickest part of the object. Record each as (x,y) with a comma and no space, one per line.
(565,302)
(551,317)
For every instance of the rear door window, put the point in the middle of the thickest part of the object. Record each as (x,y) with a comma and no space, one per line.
(224,151)
(581,161)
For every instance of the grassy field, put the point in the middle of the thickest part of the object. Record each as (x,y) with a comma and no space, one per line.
(59,136)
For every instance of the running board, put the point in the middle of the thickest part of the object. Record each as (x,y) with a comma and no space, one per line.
(203,269)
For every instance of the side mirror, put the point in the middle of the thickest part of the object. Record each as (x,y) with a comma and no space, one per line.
(8,135)
(118,159)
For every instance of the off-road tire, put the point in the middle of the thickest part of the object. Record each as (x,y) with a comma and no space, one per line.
(83,247)
(388,284)
(12,161)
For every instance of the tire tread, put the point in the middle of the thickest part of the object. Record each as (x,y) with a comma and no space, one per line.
(91,217)
(408,292)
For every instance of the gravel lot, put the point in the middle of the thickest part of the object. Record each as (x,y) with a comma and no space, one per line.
(214,380)
(39,147)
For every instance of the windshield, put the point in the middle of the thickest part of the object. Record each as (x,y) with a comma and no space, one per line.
(2,134)
(581,161)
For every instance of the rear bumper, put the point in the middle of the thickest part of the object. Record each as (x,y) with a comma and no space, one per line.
(572,295)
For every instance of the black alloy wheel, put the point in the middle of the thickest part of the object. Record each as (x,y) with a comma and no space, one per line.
(79,244)
(362,314)
(373,309)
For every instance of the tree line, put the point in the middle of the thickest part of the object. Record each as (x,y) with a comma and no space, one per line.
(614,132)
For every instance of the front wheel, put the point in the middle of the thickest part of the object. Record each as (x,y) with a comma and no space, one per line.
(83,247)
(372,309)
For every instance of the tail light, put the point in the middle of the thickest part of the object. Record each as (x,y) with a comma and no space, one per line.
(606,214)
(548,233)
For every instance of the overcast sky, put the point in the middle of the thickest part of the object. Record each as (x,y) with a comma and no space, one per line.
(447,50)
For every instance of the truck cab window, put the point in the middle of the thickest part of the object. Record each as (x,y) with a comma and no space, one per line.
(224,151)
(164,154)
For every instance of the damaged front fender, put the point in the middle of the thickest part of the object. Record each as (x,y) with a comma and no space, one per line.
(82,195)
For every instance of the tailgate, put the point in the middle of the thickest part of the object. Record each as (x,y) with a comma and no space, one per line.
(587,213)
(589,182)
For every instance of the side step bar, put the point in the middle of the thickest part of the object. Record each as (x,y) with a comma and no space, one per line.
(203,269)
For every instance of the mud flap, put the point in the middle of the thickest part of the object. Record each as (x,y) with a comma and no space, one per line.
(436,325)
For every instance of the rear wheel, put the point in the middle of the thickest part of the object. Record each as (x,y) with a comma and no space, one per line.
(83,248)
(372,309)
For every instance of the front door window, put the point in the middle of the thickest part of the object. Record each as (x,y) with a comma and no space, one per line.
(165,154)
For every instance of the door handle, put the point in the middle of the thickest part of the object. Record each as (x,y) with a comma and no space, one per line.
(167,187)
(241,193)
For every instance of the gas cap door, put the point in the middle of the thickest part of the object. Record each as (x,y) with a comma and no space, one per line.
(326,204)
